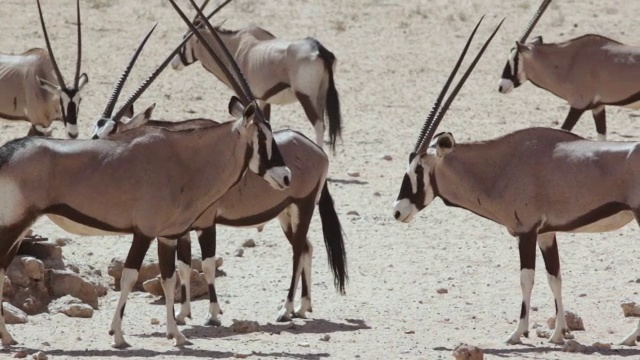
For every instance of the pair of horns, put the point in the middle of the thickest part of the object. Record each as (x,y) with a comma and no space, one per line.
(140,90)
(76,79)
(438,112)
(534,20)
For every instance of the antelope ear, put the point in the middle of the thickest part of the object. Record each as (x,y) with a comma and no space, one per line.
(444,144)
(129,112)
(138,120)
(249,114)
(236,109)
(523,48)
(82,81)
(537,40)
(54,89)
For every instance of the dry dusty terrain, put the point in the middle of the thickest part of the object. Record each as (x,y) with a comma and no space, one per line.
(393,57)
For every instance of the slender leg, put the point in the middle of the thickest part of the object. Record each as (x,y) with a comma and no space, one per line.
(9,244)
(305,300)
(549,248)
(527,249)
(166,258)
(313,116)
(132,265)
(207,240)
(600,118)
(572,119)
(629,340)
(184,272)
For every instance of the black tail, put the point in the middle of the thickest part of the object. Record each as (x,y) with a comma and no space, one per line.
(333,240)
(333,101)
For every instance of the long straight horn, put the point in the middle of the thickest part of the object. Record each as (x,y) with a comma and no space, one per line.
(136,94)
(236,87)
(239,77)
(215,11)
(434,125)
(534,20)
(53,59)
(123,78)
(79,58)
(445,88)
(204,5)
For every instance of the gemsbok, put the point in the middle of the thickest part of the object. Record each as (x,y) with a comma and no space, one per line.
(150,182)
(279,72)
(514,181)
(239,207)
(589,72)
(32,87)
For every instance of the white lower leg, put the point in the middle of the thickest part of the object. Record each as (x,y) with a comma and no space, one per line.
(555,283)
(127,281)
(209,270)
(305,301)
(526,282)
(168,286)
(287,309)
(319,128)
(630,340)
(7,339)
(184,271)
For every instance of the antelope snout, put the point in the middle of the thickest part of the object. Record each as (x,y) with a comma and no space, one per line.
(505,86)
(176,63)
(279,177)
(404,210)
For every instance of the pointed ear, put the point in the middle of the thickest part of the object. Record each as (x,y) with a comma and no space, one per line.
(444,144)
(54,89)
(136,121)
(236,109)
(129,112)
(82,81)
(537,40)
(523,48)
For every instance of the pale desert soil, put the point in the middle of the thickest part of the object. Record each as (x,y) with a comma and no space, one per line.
(393,57)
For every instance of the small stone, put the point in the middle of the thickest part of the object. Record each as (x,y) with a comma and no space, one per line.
(62,241)
(410,332)
(353,173)
(20,354)
(386,157)
(244,326)
(13,315)
(219,262)
(78,338)
(353,212)
(544,334)
(376,193)
(40,356)
(568,336)
(551,322)
(155,321)
(573,346)
(534,308)
(71,307)
(242,355)
(65,282)
(582,295)
(468,352)
(33,267)
(601,346)
(630,308)
(153,287)
(249,243)
(239,252)
(442,291)
(574,321)
(304,344)
(325,337)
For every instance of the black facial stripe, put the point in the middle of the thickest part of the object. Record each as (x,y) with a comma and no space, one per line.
(72,113)
(406,192)
(405,188)
(262,153)
(515,80)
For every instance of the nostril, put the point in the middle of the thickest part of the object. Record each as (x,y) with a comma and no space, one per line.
(397,215)
(286,180)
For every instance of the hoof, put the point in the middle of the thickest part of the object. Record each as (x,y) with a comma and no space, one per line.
(184,342)
(122,345)
(212,322)
(627,342)
(299,315)
(557,341)
(180,321)
(512,341)
(9,343)
(526,334)
(283,318)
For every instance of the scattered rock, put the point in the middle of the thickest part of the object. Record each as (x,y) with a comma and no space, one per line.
(147,271)
(153,287)
(40,356)
(13,315)
(573,346)
(249,243)
(17,273)
(544,334)
(353,173)
(325,337)
(199,286)
(33,267)
(239,252)
(601,346)
(574,321)
(7,288)
(219,262)
(568,336)
(155,321)
(244,326)
(20,354)
(65,282)
(468,352)
(304,344)
(72,267)
(376,193)
(46,251)
(63,241)
(386,157)
(630,309)
(242,355)
(353,212)
(442,291)
(71,306)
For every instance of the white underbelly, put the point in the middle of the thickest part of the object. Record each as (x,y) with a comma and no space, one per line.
(634,106)
(77,228)
(611,223)
(284,97)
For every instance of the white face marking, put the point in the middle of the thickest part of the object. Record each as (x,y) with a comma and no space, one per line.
(103,131)
(276,177)
(72,130)
(505,86)
(406,209)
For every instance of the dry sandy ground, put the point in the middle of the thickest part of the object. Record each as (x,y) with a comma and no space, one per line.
(393,57)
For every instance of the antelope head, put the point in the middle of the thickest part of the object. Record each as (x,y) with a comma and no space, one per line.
(513,74)
(265,160)
(418,188)
(69,97)
(186,55)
